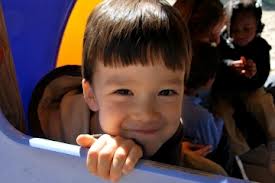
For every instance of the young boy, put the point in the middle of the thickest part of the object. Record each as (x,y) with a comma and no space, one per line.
(136,57)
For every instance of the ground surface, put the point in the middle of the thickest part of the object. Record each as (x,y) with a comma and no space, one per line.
(269,30)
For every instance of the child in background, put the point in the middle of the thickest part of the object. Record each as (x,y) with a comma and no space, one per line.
(136,57)
(201,125)
(244,71)
(205,20)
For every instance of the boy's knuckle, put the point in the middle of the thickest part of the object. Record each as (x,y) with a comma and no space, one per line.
(105,136)
(129,166)
(130,142)
(138,150)
(121,155)
(104,155)
(92,154)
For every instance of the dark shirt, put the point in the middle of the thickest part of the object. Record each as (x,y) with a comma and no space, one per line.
(229,80)
(170,151)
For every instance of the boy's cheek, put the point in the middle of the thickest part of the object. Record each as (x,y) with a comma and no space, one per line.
(172,111)
(109,122)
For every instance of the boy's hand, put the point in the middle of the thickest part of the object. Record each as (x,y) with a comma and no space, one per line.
(198,149)
(110,157)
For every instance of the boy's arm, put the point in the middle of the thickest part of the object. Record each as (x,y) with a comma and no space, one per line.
(110,157)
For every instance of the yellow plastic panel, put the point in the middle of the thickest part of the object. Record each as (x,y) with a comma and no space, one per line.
(70,51)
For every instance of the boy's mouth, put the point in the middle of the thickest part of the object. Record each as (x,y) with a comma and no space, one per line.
(144,131)
(142,134)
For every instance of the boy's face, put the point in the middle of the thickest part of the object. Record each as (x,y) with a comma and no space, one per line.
(243,28)
(138,102)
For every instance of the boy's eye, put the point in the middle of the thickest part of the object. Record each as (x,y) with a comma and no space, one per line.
(167,92)
(124,92)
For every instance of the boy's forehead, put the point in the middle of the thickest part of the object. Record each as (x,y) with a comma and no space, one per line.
(138,66)
(139,71)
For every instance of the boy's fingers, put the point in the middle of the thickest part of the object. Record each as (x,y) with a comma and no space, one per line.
(134,155)
(93,153)
(85,140)
(106,155)
(119,160)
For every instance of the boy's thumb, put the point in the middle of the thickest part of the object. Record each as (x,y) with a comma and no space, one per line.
(85,140)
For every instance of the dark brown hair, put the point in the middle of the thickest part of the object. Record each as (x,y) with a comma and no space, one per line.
(201,15)
(132,32)
(204,65)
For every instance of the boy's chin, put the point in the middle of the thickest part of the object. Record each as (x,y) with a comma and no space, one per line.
(150,149)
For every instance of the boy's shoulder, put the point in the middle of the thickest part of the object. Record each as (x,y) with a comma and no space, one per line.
(194,111)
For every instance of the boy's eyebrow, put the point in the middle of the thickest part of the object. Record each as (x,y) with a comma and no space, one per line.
(175,81)
(116,80)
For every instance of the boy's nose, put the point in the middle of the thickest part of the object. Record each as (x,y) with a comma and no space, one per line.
(145,111)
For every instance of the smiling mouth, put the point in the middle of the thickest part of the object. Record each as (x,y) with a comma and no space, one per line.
(147,131)
(143,131)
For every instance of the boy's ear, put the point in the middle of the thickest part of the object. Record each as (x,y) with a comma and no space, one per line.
(89,96)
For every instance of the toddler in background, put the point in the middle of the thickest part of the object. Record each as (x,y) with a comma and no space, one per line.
(243,72)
